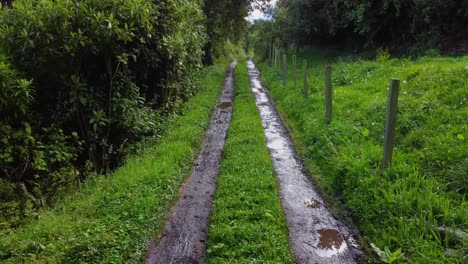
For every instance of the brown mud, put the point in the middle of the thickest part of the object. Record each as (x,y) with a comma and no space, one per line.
(315,235)
(185,233)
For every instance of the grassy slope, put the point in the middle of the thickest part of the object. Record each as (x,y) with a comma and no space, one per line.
(111,219)
(247,224)
(428,182)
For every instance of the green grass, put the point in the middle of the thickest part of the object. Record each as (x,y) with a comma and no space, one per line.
(247,223)
(427,183)
(112,218)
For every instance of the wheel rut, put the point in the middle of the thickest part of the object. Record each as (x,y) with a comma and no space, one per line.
(315,235)
(185,232)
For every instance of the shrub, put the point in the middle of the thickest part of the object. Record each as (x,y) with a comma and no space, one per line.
(100,69)
(29,156)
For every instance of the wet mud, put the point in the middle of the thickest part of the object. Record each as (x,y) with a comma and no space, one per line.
(185,232)
(315,235)
(313,203)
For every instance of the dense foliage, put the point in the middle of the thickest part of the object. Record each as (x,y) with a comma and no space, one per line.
(93,73)
(358,24)
(226,25)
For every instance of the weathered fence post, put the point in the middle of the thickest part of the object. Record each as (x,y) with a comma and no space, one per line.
(294,71)
(390,125)
(278,59)
(284,69)
(304,85)
(274,56)
(270,52)
(328,94)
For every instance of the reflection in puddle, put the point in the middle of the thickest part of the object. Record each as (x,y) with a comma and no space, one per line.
(275,144)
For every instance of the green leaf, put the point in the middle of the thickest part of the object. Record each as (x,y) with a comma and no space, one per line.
(365,132)
(28,128)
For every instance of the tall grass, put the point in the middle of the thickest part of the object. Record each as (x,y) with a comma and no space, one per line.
(426,185)
(247,223)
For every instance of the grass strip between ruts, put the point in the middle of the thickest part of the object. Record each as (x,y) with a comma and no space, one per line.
(247,223)
(113,218)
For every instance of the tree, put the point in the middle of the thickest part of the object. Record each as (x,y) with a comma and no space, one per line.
(368,23)
(225,21)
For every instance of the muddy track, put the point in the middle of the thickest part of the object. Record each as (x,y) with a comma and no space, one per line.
(315,236)
(184,236)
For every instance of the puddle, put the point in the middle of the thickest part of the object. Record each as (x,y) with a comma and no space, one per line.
(312,203)
(224,105)
(330,239)
(315,236)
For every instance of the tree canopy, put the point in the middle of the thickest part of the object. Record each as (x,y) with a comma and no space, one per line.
(366,23)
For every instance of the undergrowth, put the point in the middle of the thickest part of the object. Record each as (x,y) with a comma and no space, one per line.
(247,223)
(112,218)
(426,185)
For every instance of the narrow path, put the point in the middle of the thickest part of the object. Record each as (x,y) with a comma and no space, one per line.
(184,236)
(315,236)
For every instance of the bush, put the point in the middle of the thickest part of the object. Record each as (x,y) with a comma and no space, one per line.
(100,69)
(38,158)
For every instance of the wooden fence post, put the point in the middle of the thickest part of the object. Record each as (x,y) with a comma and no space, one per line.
(274,56)
(295,71)
(270,51)
(278,59)
(328,94)
(284,69)
(304,85)
(390,125)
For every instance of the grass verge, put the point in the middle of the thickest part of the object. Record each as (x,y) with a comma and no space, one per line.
(112,218)
(426,186)
(247,223)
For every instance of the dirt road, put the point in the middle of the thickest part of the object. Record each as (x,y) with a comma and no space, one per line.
(315,236)
(184,236)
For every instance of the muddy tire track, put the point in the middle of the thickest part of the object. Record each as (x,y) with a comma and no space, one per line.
(315,236)
(185,233)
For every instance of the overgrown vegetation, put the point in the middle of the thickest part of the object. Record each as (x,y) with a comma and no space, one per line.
(226,25)
(426,186)
(90,78)
(94,73)
(112,218)
(247,223)
(402,26)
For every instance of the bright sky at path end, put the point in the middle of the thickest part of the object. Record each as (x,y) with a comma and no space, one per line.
(257,14)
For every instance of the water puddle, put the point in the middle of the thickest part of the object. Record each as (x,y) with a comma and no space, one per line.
(224,105)
(316,237)
(330,243)
(330,239)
